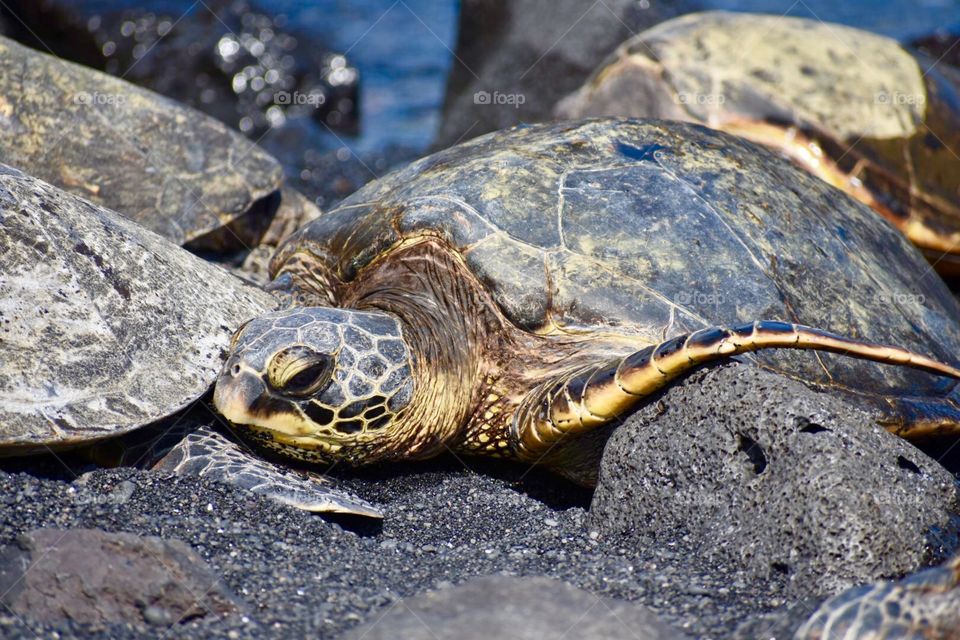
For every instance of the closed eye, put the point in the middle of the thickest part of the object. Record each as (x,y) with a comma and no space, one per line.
(300,371)
(308,380)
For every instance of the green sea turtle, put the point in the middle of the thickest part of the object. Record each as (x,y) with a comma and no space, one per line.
(517,295)
(854,108)
(505,295)
(107,329)
(168,167)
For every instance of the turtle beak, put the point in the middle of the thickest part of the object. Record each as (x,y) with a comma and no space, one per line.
(242,398)
(236,392)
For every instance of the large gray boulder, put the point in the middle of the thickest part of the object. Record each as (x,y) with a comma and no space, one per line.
(515,608)
(761,472)
(515,59)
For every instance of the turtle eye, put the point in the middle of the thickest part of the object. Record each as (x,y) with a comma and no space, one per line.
(299,371)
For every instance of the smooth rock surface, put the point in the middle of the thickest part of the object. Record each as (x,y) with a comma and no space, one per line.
(762,473)
(95,577)
(537,50)
(514,608)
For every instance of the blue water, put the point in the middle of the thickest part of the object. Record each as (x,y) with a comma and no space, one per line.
(403,48)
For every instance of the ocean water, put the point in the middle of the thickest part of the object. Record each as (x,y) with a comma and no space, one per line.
(404,48)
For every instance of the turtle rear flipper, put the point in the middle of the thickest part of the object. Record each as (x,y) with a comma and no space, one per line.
(925,604)
(600,394)
(919,419)
(208,454)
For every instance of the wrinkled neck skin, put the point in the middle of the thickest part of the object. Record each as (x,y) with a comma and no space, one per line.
(472,367)
(454,332)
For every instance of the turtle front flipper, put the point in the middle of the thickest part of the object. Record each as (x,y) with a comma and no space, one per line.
(925,604)
(599,394)
(206,453)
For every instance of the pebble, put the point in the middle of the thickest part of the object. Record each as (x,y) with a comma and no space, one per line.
(122,492)
(157,616)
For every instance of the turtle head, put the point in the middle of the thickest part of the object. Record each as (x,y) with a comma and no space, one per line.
(317,383)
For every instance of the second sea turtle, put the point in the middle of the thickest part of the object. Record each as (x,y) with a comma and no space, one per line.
(170,168)
(858,110)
